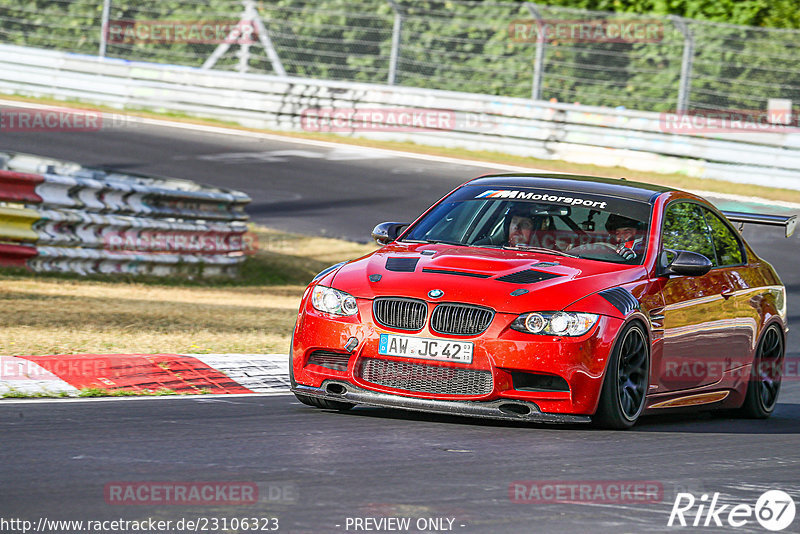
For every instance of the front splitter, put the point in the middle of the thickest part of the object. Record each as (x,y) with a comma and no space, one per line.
(507,410)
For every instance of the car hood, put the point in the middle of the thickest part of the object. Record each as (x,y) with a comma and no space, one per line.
(481,276)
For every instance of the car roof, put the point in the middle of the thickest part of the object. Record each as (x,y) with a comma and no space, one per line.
(620,188)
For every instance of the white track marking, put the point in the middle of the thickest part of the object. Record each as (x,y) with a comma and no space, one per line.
(29,378)
(262,373)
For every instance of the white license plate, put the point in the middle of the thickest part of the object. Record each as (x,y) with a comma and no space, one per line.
(426,349)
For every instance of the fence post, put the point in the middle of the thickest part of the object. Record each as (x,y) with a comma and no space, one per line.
(684,85)
(538,64)
(266,42)
(104,27)
(397,27)
(249,16)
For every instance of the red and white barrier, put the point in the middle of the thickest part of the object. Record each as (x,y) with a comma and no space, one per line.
(69,374)
(88,221)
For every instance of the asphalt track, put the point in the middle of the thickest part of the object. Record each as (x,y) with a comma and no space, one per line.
(318,468)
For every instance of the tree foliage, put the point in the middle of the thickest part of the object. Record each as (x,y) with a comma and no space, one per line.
(467,46)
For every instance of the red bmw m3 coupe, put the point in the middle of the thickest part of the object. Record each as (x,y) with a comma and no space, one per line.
(549,298)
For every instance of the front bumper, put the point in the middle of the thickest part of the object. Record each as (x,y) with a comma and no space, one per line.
(499,350)
(507,410)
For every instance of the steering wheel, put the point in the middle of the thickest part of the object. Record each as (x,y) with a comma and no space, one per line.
(603,246)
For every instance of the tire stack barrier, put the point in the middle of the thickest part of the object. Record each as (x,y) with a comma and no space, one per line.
(61,217)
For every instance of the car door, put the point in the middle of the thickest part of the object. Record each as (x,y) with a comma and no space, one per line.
(741,290)
(699,325)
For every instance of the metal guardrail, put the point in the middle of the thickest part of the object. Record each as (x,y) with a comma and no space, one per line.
(56,216)
(569,132)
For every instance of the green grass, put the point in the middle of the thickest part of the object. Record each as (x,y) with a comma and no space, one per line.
(102,392)
(14,393)
(98,392)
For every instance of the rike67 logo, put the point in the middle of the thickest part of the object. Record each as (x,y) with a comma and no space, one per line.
(774,511)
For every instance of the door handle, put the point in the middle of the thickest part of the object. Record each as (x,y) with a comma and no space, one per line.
(727,293)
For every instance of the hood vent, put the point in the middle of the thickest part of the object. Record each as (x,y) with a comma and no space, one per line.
(401,265)
(621,299)
(528,276)
(457,273)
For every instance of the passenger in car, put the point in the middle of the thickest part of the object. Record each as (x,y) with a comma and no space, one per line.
(521,225)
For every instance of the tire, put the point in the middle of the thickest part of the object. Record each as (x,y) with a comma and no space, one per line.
(622,398)
(765,376)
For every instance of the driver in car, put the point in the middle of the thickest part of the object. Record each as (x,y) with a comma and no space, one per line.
(624,234)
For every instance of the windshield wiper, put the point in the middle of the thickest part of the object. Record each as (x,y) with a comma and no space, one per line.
(434,242)
(532,248)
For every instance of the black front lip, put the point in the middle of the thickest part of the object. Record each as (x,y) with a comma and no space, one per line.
(482,409)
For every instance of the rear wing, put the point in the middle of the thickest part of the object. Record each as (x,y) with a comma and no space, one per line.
(787,221)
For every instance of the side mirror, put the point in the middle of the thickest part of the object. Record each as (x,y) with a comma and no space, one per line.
(688,263)
(387,232)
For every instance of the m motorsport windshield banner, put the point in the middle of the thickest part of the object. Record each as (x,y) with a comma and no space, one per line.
(574,199)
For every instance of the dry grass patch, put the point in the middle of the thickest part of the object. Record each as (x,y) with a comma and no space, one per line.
(63,314)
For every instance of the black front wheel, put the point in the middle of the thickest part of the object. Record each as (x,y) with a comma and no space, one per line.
(622,398)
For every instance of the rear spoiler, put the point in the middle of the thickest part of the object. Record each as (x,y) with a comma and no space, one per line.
(787,221)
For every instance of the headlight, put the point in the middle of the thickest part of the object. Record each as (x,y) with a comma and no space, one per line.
(555,323)
(333,301)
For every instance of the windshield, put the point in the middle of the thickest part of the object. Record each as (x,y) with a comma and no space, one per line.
(591,226)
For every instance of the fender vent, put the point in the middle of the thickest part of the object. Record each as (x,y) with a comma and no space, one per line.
(621,299)
(529,276)
(457,273)
(401,265)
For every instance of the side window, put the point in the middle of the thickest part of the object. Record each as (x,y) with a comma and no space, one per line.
(685,229)
(727,245)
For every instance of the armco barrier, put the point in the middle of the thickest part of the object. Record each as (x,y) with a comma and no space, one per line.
(570,132)
(20,186)
(68,218)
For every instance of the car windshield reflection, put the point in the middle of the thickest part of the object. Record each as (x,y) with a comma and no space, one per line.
(591,227)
